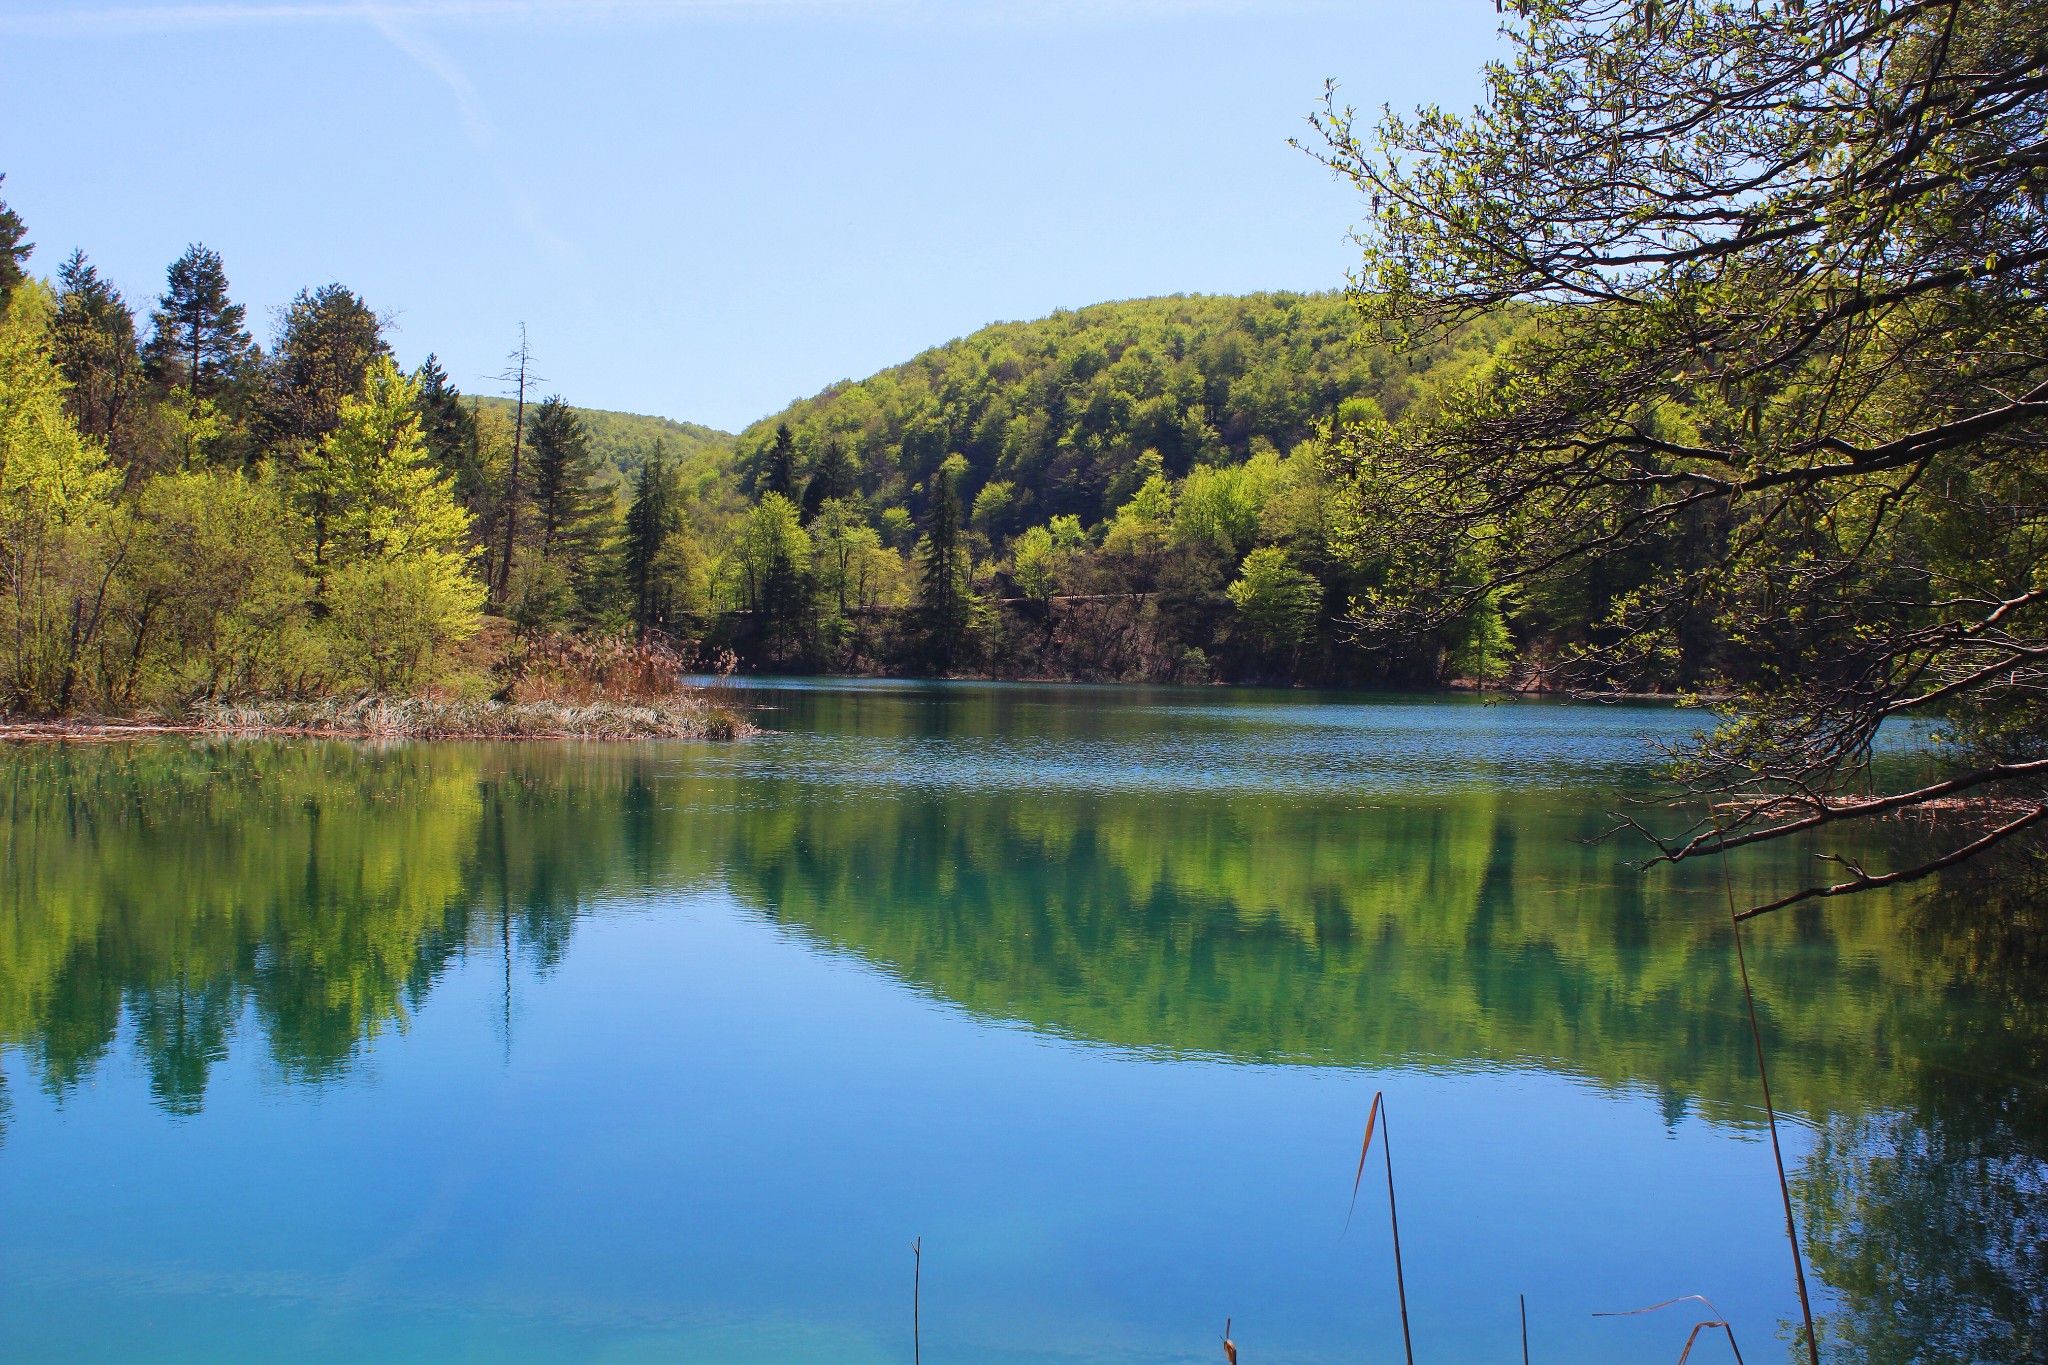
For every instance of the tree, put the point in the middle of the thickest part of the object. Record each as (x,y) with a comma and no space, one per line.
(1041,556)
(197,341)
(848,565)
(14,250)
(1279,600)
(93,339)
(780,478)
(774,564)
(1783,265)
(208,593)
(834,477)
(389,500)
(325,347)
(55,503)
(518,373)
(395,573)
(449,427)
(945,596)
(567,501)
(655,516)
(992,508)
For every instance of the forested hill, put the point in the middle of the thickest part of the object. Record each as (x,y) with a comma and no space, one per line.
(1065,407)
(621,442)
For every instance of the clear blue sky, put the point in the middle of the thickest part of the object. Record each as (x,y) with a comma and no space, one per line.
(704,208)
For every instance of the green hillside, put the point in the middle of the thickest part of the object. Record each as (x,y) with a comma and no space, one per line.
(1065,406)
(622,441)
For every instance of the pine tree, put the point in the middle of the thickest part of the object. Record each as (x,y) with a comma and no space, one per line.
(446,425)
(566,499)
(834,477)
(656,514)
(197,340)
(781,477)
(943,590)
(325,348)
(93,340)
(14,252)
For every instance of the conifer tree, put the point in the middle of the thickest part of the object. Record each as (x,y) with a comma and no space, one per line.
(324,349)
(14,250)
(566,498)
(655,515)
(388,500)
(833,478)
(197,340)
(93,339)
(448,427)
(780,476)
(943,590)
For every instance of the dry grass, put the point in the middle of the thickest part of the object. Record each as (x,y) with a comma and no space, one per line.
(680,715)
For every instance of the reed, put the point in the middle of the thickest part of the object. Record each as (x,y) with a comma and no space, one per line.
(1376,1117)
(1716,1321)
(917,1301)
(1770,1113)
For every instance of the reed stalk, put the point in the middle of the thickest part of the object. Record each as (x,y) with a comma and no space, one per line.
(1716,1321)
(1770,1115)
(1374,1117)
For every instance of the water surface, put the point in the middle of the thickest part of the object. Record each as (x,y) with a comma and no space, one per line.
(665,1052)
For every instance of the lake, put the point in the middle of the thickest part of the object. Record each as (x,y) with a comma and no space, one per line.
(665,1052)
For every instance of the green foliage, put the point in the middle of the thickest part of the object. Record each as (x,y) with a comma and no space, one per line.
(210,602)
(1776,423)
(197,339)
(945,591)
(1062,407)
(653,521)
(93,339)
(390,616)
(834,478)
(779,475)
(15,249)
(621,444)
(397,547)
(573,514)
(772,566)
(993,507)
(326,348)
(1278,599)
(55,510)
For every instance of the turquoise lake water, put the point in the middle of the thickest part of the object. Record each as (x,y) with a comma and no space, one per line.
(667,1052)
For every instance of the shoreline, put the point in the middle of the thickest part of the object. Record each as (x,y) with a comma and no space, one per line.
(405,719)
(686,718)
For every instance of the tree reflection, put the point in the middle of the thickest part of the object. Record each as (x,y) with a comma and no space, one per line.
(1930,1219)
(182,901)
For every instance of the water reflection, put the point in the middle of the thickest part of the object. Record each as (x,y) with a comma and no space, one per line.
(1929,1217)
(1028,863)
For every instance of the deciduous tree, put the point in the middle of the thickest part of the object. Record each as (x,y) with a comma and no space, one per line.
(1784,262)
